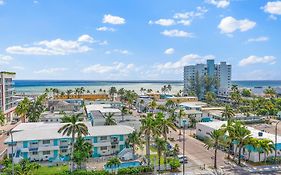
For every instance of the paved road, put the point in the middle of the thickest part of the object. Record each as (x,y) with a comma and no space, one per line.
(3,137)
(197,153)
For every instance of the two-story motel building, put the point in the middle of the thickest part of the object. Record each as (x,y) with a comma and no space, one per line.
(42,142)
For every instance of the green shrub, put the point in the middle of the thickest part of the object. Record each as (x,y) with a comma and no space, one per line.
(174,163)
(135,170)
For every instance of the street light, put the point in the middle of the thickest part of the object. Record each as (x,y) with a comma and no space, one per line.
(10,132)
(183,143)
(276,127)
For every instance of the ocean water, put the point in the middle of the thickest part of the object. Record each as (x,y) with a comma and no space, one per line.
(38,86)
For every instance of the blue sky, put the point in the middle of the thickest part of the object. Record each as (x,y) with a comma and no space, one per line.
(138,39)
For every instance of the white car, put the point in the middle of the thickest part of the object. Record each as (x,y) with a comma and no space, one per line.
(182,158)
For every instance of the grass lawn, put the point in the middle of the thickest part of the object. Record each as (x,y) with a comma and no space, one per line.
(155,157)
(45,170)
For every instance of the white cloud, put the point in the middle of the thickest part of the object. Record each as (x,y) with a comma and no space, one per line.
(229,25)
(104,29)
(184,22)
(120,51)
(102,43)
(5,59)
(219,3)
(2,2)
(35,2)
(54,47)
(163,22)
(18,67)
(113,19)
(199,12)
(169,51)
(50,70)
(273,7)
(116,68)
(255,60)
(258,39)
(185,60)
(86,38)
(176,33)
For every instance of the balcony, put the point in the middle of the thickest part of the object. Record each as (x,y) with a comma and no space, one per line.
(114,140)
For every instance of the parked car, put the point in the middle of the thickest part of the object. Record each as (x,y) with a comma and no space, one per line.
(13,122)
(182,158)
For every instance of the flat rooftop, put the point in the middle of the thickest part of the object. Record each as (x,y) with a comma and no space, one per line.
(48,131)
(103,108)
(255,132)
(197,104)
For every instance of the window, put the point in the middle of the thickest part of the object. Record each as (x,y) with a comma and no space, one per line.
(46,141)
(34,153)
(64,150)
(103,148)
(199,130)
(46,152)
(103,138)
(113,147)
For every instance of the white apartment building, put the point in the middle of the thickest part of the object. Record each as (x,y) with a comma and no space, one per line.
(203,129)
(221,71)
(8,103)
(42,142)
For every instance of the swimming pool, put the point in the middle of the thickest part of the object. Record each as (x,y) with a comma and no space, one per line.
(123,165)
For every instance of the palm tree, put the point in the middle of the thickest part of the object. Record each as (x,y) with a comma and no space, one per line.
(180,115)
(161,146)
(213,142)
(112,92)
(252,144)
(270,92)
(73,127)
(176,150)
(242,136)
(2,118)
(124,111)
(113,162)
(23,108)
(170,104)
(69,92)
(169,87)
(82,151)
(133,140)
(164,126)
(228,113)
(149,128)
(265,146)
(210,97)
(152,105)
(235,95)
(109,120)
(229,128)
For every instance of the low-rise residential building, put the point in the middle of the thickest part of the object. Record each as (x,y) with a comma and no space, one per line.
(203,130)
(56,117)
(185,120)
(113,104)
(42,142)
(103,109)
(183,99)
(84,96)
(62,105)
(198,105)
(8,102)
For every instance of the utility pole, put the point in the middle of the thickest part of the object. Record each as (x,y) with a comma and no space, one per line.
(275,157)
(183,143)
